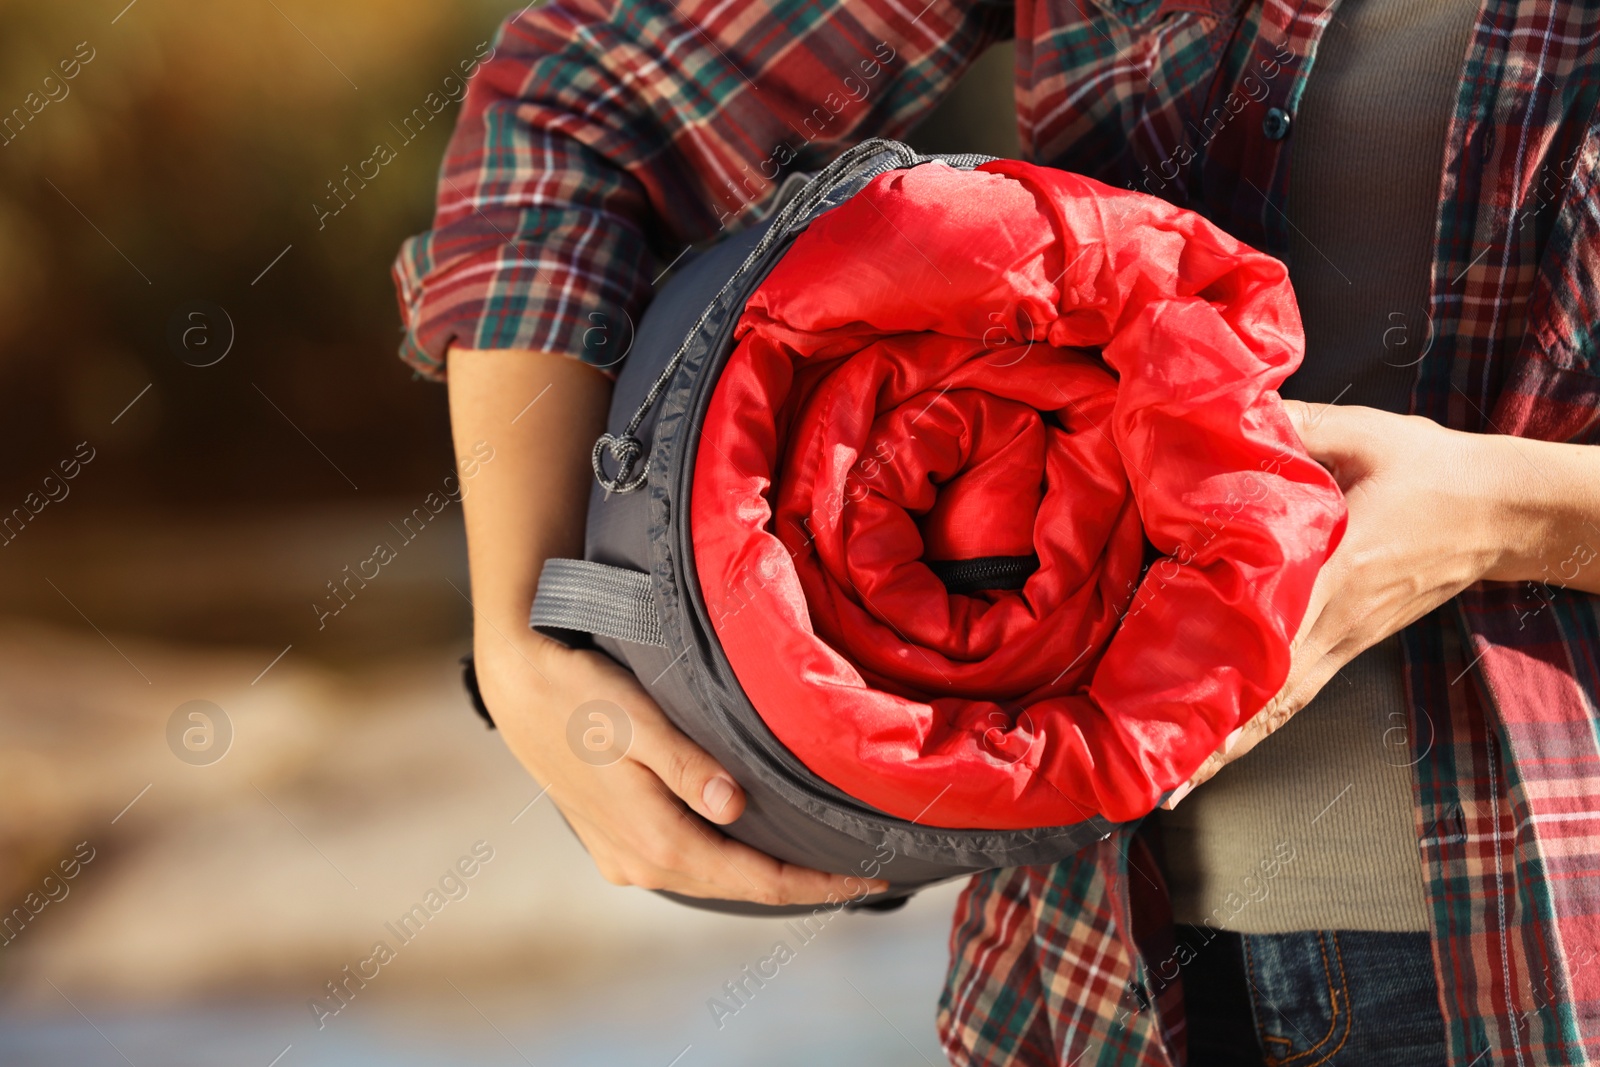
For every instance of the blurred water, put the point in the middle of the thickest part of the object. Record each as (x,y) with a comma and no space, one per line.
(225,896)
(863,991)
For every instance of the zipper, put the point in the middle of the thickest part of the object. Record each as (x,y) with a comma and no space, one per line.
(959,160)
(768,248)
(714,691)
(627,448)
(988,572)
(798,775)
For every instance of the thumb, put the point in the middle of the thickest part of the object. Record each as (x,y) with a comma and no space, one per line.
(1329,432)
(1340,437)
(689,771)
(1307,419)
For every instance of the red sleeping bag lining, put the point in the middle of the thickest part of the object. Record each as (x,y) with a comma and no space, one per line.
(1007,361)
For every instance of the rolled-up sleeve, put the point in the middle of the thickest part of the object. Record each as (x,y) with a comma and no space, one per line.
(602,138)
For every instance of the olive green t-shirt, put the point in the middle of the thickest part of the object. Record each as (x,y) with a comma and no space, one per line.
(1332,789)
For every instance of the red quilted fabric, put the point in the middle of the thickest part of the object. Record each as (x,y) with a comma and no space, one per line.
(1008,361)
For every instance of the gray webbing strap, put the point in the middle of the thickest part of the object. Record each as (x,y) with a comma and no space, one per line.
(594,598)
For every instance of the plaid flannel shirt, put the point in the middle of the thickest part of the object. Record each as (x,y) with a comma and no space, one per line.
(603,137)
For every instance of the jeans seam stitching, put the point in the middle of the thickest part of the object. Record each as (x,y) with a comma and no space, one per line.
(1333,1019)
(1349,1014)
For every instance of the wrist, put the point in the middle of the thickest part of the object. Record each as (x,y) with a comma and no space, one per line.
(521,644)
(1521,512)
(502,602)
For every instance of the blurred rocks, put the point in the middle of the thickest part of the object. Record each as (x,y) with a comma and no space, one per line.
(342,800)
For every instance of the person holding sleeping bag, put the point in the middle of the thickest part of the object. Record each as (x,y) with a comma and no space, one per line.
(1397,873)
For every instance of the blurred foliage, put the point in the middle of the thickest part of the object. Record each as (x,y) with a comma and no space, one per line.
(179,161)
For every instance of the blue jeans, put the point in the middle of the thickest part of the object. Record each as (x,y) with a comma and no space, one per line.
(1318,998)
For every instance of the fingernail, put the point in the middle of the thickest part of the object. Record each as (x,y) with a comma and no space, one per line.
(717,793)
(877,885)
(1177,795)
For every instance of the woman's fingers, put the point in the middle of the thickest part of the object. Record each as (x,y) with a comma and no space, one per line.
(1310,645)
(640,797)
(1344,438)
(727,869)
(1213,763)
(1309,671)
(667,847)
(1322,428)
(686,768)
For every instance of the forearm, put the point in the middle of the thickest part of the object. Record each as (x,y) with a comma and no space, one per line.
(1545,500)
(541,412)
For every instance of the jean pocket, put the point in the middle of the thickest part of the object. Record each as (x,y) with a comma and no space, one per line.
(1301,997)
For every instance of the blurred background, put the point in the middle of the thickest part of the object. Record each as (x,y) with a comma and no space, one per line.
(203,422)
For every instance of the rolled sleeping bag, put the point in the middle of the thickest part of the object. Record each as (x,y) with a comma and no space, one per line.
(952,508)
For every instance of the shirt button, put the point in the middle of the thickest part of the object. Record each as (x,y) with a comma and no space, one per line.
(1276,124)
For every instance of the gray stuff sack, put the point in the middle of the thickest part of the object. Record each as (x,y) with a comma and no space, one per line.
(635,595)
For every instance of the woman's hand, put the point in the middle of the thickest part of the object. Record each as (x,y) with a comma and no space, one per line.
(639,794)
(1426,521)
(645,812)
